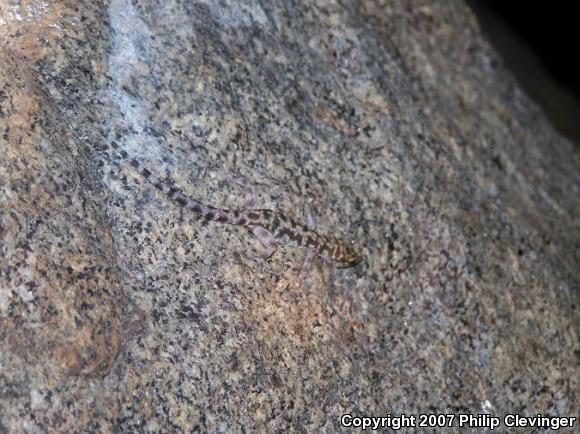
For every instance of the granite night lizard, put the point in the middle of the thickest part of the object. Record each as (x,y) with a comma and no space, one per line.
(270,227)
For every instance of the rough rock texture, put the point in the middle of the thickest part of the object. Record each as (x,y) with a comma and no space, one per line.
(392,123)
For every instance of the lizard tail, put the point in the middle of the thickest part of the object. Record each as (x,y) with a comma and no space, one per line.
(221,215)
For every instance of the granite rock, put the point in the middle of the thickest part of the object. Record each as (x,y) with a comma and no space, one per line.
(392,124)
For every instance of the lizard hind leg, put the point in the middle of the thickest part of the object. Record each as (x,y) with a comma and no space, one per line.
(267,241)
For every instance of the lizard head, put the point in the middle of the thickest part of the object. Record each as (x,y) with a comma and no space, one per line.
(346,255)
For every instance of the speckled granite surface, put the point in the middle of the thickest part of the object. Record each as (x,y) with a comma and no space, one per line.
(392,123)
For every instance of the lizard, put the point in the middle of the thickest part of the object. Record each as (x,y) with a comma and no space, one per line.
(268,226)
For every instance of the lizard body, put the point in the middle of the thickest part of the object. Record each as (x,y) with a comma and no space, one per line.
(270,227)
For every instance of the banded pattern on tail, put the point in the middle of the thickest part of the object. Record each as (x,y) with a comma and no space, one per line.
(209,212)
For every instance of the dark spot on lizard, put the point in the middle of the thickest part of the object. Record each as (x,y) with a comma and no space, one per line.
(196,207)
(310,242)
(123,153)
(297,238)
(253,216)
